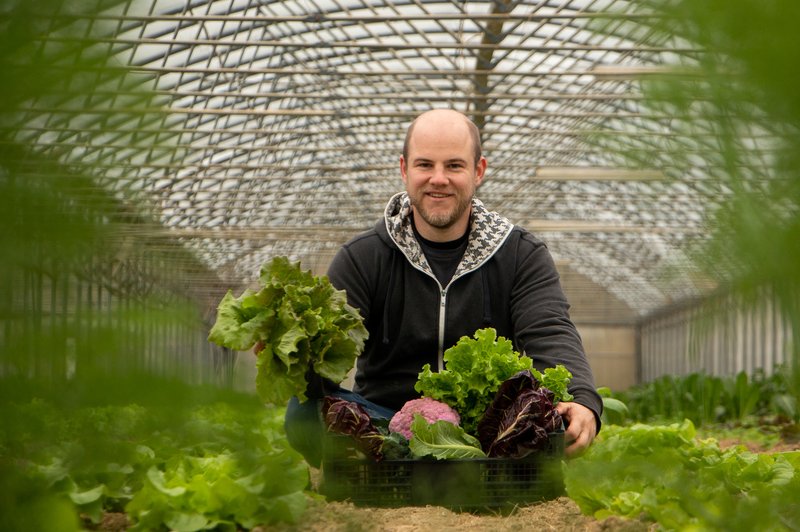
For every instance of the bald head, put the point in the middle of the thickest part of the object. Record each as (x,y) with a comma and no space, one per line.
(446,118)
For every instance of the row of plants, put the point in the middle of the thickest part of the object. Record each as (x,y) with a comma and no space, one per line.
(187,461)
(222,463)
(667,475)
(704,398)
(659,459)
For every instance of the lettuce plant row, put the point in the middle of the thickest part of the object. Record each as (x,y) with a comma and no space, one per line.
(215,466)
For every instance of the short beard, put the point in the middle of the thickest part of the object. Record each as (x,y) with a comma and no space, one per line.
(443,220)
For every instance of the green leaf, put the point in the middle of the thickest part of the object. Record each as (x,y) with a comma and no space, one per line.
(88,496)
(90,501)
(285,508)
(303,322)
(229,330)
(186,521)
(275,383)
(614,410)
(556,380)
(474,370)
(337,359)
(156,478)
(442,440)
(286,349)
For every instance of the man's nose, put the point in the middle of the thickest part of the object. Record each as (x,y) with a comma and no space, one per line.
(439,175)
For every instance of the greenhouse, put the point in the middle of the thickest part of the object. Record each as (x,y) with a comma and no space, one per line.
(160,158)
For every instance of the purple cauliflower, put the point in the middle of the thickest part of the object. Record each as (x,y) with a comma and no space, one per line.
(431,409)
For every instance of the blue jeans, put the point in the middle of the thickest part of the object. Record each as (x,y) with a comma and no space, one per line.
(305,429)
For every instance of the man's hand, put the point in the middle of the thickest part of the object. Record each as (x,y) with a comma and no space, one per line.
(581,430)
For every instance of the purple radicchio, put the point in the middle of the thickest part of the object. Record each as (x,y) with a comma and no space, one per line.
(520,419)
(350,419)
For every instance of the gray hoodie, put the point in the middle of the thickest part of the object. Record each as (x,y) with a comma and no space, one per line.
(506,280)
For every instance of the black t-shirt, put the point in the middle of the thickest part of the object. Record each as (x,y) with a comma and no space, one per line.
(443,257)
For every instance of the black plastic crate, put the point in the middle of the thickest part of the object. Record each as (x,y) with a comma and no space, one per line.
(470,484)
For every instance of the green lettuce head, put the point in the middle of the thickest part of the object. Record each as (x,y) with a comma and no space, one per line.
(299,321)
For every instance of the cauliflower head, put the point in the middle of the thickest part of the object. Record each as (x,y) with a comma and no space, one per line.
(431,409)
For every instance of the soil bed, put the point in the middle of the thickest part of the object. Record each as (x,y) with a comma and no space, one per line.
(561,514)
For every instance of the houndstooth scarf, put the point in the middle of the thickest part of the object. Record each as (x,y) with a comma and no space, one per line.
(488,232)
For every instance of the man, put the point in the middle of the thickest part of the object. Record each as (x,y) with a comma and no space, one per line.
(439,266)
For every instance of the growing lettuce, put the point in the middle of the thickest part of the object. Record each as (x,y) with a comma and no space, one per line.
(302,322)
(474,370)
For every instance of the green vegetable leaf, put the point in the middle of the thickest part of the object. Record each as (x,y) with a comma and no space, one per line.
(474,370)
(186,521)
(231,328)
(442,440)
(303,323)
(88,496)
(156,477)
(556,380)
(614,410)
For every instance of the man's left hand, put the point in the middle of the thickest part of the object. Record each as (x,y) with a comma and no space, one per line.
(581,429)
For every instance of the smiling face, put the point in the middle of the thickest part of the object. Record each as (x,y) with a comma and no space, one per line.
(440,174)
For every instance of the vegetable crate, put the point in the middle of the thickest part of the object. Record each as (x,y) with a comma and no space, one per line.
(468,484)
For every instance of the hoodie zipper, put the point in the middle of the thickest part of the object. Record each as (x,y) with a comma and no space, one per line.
(442,306)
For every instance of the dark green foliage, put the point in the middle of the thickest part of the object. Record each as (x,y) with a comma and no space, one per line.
(705,398)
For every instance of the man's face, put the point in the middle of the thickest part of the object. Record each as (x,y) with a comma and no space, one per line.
(441,175)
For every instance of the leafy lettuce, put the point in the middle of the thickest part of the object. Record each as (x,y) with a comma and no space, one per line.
(474,370)
(556,380)
(664,473)
(299,321)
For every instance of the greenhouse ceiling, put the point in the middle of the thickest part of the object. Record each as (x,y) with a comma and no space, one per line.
(250,129)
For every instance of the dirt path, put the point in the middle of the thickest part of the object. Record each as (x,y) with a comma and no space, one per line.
(561,514)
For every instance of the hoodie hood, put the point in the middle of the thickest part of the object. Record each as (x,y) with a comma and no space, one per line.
(487,233)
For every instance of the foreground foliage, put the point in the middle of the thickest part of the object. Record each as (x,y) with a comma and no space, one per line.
(663,473)
(221,465)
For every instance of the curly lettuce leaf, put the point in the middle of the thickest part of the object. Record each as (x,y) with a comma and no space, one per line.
(237,325)
(442,440)
(474,370)
(556,380)
(301,321)
(277,382)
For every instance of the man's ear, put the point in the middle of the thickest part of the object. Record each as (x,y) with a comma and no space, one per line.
(403,170)
(480,171)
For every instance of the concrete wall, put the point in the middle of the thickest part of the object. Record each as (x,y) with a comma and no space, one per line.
(611,350)
(608,327)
